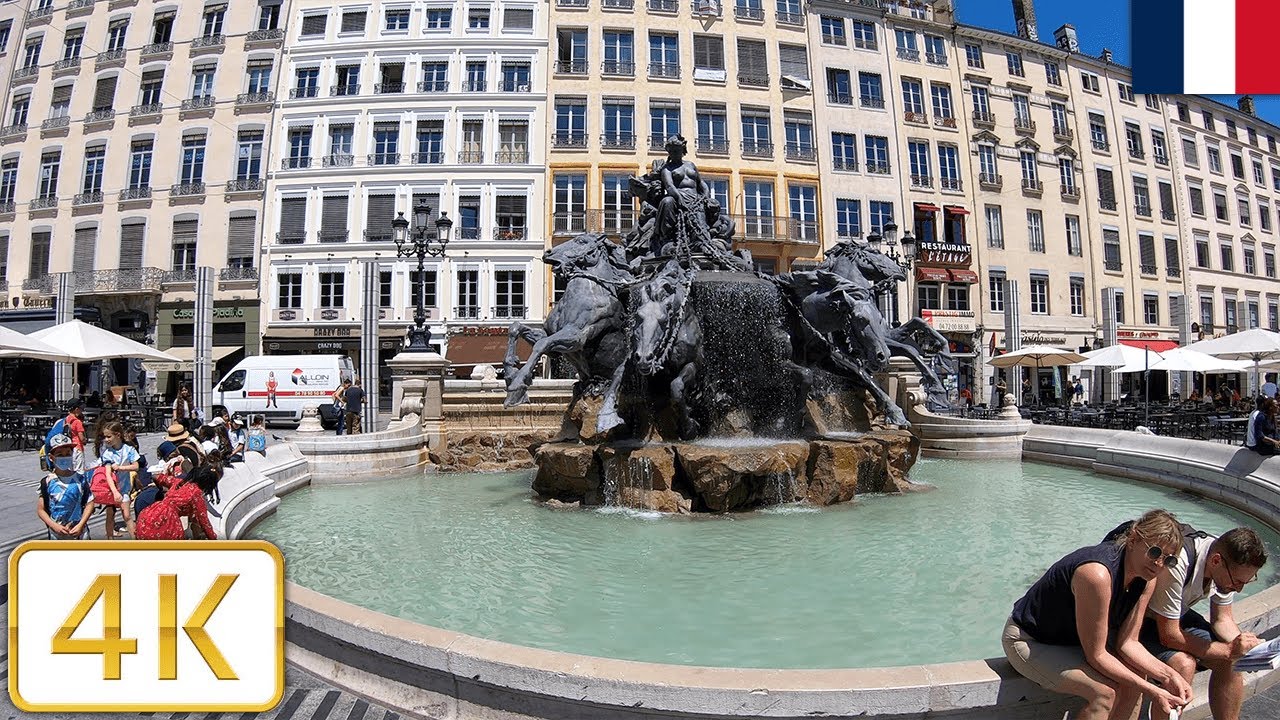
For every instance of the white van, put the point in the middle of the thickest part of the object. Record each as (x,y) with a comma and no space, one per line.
(281,386)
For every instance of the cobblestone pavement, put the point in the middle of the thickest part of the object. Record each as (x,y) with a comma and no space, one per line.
(306,697)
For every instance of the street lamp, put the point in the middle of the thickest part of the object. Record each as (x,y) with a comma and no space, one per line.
(419,241)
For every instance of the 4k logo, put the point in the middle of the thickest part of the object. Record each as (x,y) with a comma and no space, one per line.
(103,617)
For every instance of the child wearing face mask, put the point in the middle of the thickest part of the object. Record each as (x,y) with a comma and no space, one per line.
(113,478)
(65,502)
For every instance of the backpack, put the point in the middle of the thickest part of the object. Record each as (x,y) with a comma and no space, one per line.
(257,441)
(1189,537)
(58,428)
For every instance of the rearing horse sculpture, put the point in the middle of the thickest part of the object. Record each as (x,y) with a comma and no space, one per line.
(668,337)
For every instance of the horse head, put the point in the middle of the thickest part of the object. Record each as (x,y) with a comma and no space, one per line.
(861,324)
(591,253)
(878,267)
(657,311)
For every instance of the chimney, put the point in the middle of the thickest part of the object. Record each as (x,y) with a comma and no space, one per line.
(1024,14)
(1247,107)
(1066,39)
(1106,55)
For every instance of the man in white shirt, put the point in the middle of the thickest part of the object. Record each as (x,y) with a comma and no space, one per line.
(1182,638)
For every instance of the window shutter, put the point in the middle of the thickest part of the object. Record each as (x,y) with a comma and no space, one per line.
(1106,186)
(313,24)
(85,249)
(61,95)
(131,238)
(104,95)
(512,204)
(184,232)
(752,58)
(333,217)
(432,200)
(708,51)
(1172,258)
(1166,198)
(39,264)
(152,76)
(293,218)
(1147,249)
(517,19)
(353,21)
(240,232)
(4,258)
(794,60)
(122,22)
(379,213)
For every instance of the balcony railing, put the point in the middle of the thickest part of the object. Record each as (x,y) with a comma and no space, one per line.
(1168,215)
(936,59)
(246,185)
(8,208)
(1024,124)
(338,160)
(866,44)
(66,64)
(42,285)
(507,312)
(470,157)
(232,274)
(40,14)
(664,70)
(433,86)
(840,163)
(1137,153)
(1149,269)
(768,228)
(120,280)
(135,193)
(990,180)
(469,312)
(188,189)
(295,163)
(55,123)
(569,140)
(160,48)
(428,158)
(511,233)
(954,184)
(1032,186)
(618,4)
(750,80)
(1070,192)
(44,203)
(909,54)
(87,198)
(270,35)
(291,237)
(1160,158)
(388,88)
(200,102)
(757,148)
(618,141)
(839,98)
(1102,145)
(1173,272)
(946,122)
(102,115)
(13,130)
(618,67)
(80,7)
(878,168)
(571,67)
(148,110)
(921,181)
(344,90)
(743,12)
(790,18)
(383,158)
(305,91)
(663,6)
(178,276)
(871,102)
(26,73)
(514,86)
(1142,210)
(209,42)
(916,117)
(803,153)
(468,233)
(475,86)
(332,236)
(1106,204)
(712,146)
(1113,265)
(983,119)
(1063,133)
(256,98)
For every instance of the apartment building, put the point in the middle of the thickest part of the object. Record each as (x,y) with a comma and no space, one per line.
(733,79)
(130,154)
(385,106)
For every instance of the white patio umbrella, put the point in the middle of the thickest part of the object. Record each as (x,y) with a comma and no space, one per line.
(1037,356)
(14,344)
(1119,355)
(1256,345)
(85,343)
(1188,360)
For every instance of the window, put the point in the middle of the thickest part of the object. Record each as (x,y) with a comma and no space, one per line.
(268,15)
(973,55)
(1237,166)
(299,148)
(987,165)
(708,54)
(1015,63)
(152,84)
(1147,254)
(881,214)
(185,237)
(1189,154)
(1098,132)
(755,131)
(848,218)
(1151,309)
(928,295)
(1231,128)
(19,109)
(1166,201)
(1141,196)
(1039,295)
(341,138)
(1052,73)
(949,167)
(202,83)
(468,293)
(1089,81)
(758,207)
(957,296)
(511,216)
(472,149)
(517,19)
(918,155)
(476,77)
(1250,260)
(833,30)
(1076,288)
(995,226)
(258,73)
(793,64)
(1229,316)
(870,90)
(571,51)
(1273,315)
(353,21)
(333,289)
(1215,158)
(430,139)
(906,43)
(1269,262)
(439,18)
(313,25)
(571,123)
(995,290)
(1202,251)
(1159,151)
(1206,313)
(1133,141)
(213,17)
(799,135)
(477,18)
(753,63)
(877,154)
(1067,175)
(6,28)
(249,155)
(1227,254)
(839,91)
(804,212)
(193,148)
(31,53)
(1264,214)
(942,111)
(1074,246)
(509,299)
(1035,231)
(1106,189)
(664,55)
(1172,257)
(864,34)
(140,165)
(569,208)
(1246,216)
(428,287)
(8,180)
(394,20)
(289,290)
(1030,171)
(1196,200)
(95,159)
(712,128)
(1220,206)
(1022,111)
(71,44)
(1111,250)
(935,50)
(1125,91)
(619,123)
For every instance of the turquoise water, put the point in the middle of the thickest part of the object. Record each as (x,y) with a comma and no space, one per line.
(921,578)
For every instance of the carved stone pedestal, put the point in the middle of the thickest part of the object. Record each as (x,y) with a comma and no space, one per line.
(310,420)
(417,382)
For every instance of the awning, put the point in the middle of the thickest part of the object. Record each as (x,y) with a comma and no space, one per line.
(928,274)
(482,349)
(964,276)
(1156,345)
(926,207)
(188,357)
(956,210)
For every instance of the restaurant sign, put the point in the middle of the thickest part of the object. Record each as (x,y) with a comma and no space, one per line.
(1039,338)
(947,254)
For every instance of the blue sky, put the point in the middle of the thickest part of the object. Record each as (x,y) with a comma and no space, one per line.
(1099,24)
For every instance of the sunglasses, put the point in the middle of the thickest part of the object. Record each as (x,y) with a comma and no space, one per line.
(1155,552)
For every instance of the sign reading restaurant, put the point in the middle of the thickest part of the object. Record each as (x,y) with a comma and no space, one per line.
(944,254)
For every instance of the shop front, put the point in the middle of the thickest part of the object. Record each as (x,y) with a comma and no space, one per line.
(959,327)
(336,339)
(235,335)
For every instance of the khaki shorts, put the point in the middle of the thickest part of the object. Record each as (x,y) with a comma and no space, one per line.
(1045,665)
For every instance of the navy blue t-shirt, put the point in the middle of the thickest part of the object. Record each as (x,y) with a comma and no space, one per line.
(1048,611)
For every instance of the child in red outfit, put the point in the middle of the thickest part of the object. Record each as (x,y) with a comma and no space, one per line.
(162,520)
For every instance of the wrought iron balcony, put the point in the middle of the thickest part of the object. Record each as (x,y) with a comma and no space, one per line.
(990,180)
(921,181)
(946,122)
(264,37)
(1070,192)
(9,131)
(69,65)
(1136,153)
(44,203)
(1063,133)
(878,168)
(746,12)
(664,6)
(1149,269)
(120,280)
(333,236)
(256,98)
(569,223)
(508,312)
(291,237)
(8,208)
(511,157)
(618,141)
(790,18)
(829,39)
(187,189)
(338,160)
(470,157)
(246,185)
(769,228)
(839,98)
(135,193)
(918,118)
(433,86)
(1142,210)
(1106,204)
(42,284)
(26,73)
(840,163)
(1032,187)
(40,14)
(1113,265)
(618,67)
(305,91)
(178,276)
(1102,145)
(200,102)
(383,158)
(233,274)
(712,146)
(1168,215)
(1024,125)
(909,54)
(295,163)
(428,158)
(939,59)
(209,42)
(664,70)
(866,44)
(867,101)
(1173,272)
(983,119)
(160,48)
(475,86)
(757,148)
(87,198)
(803,153)
(55,123)
(469,312)
(953,184)
(107,58)
(750,80)
(388,88)
(569,140)
(514,86)
(1160,158)
(571,67)
(618,4)
(100,116)
(572,3)
(468,233)
(511,233)
(142,111)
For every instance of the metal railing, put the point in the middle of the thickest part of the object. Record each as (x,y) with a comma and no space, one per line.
(87,198)
(256,98)
(188,189)
(470,157)
(618,67)
(744,12)
(72,63)
(475,86)
(790,18)
(433,86)
(511,157)
(770,228)
(427,158)
(514,86)
(946,122)
(338,160)
(505,312)
(618,4)
(939,59)
(984,118)
(1142,210)
(664,6)
(757,148)
(201,102)
(305,91)
(44,203)
(244,185)
(1106,204)
(145,110)
(159,48)
(712,146)
(921,181)
(879,168)
(511,233)
(264,36)
(388,88)
(1113,265)
(1149,269)
(571,67)
(383,158)
(948,183)
(8,207)
(209,41)
(26,73)
(80,6)
(291,237)
(915,117)
(12,130)
(839,98)
(332,236)
(990,180)
(866,44)
(146,279)
(1173,272)
(1024,124)
(804,153)
(42,284)
(750,80)
(909,54)
(1102,145)
(186,275)
(1070,191)
(238,273)
(1032,186)
(1168,215)
(1063,133)
(844,164)
(618,141)
(101,115)
(469,312)
(1161,159)
(871,102)
(1136,153)
(295,163)
(54,123)
(569,140)
(344,90)
(664,70)
(136,193)
(467,233)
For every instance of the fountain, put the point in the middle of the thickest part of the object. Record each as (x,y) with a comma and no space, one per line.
(707,387)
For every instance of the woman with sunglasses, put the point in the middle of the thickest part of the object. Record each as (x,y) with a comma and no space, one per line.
(1065,634)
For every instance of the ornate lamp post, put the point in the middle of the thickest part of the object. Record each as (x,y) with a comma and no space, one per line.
(887,244)
(420,241)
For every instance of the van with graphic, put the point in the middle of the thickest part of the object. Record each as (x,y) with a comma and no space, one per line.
(280,387)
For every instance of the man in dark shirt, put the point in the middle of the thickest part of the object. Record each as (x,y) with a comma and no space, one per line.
(355,397)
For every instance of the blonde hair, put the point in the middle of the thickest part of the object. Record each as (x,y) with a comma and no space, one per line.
(1158,527)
